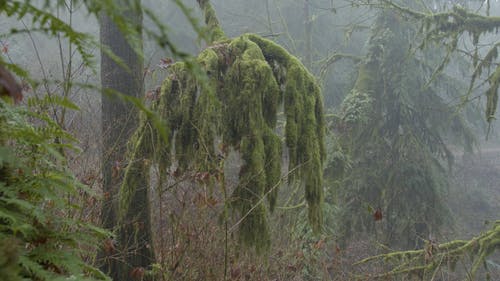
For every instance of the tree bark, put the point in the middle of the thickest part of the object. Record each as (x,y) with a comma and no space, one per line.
(119,120)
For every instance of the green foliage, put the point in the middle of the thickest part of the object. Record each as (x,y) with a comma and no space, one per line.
(9,261)
(40,241)
(392,126)
(356,108)
(44,20)
(249,78)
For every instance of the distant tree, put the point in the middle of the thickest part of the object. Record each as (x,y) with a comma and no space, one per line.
(446,28)
(392,125)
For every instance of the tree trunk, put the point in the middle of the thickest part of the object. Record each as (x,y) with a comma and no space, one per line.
(119,120)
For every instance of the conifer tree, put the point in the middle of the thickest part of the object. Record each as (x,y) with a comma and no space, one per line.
(392,126)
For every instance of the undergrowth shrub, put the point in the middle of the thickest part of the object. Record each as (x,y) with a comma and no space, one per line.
(39,239)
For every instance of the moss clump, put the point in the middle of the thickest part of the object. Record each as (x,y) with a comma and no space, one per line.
(249,79)
(272,145)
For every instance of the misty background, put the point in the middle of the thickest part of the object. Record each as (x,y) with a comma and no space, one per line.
(315,31)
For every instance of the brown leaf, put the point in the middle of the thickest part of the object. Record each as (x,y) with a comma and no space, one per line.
(115,170)
(39,240)
(8,85)
(5,48)
(202,177)
(235,272)
(177,173)
(211,201)
(137,273)
(319,245)
(109,246)
(106,195)
(219,176)
(165,63)
(153,94)
(337,249)
(377,215)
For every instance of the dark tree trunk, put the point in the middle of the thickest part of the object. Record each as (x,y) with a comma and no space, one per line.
(119,120)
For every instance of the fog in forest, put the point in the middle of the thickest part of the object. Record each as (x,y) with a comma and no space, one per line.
(250,140)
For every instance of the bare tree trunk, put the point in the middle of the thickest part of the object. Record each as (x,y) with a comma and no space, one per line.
(119,120)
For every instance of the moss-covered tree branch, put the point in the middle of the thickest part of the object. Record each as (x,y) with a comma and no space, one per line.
(425,262)
(249,80)
(447,27)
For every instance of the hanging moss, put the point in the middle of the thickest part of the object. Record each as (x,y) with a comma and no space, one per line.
(249,79)
(304,117)
(272,144)
(251,187)
(134,232)
(137,172)
(492,95)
